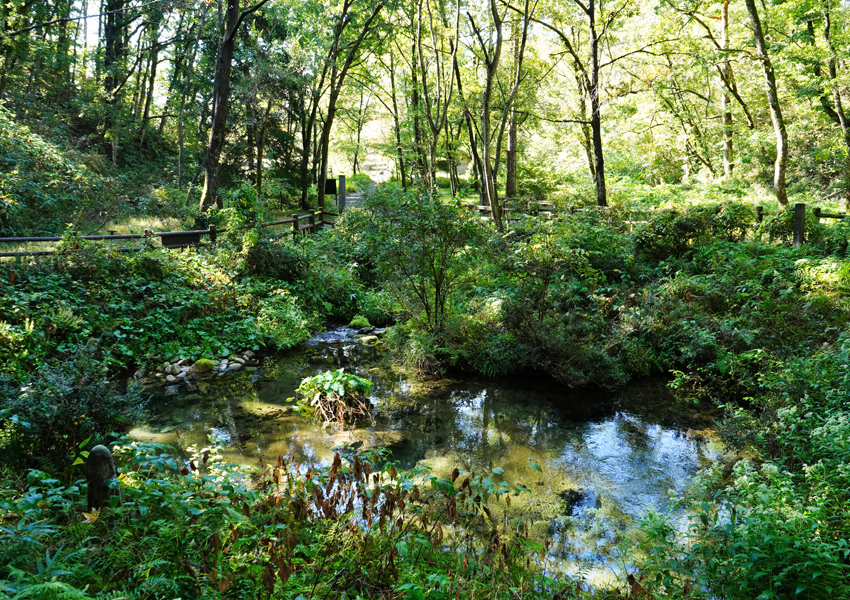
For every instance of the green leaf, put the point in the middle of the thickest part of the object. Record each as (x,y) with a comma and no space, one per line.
(498,470)
(536,467)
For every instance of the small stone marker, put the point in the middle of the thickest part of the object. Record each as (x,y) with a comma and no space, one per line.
(100,470)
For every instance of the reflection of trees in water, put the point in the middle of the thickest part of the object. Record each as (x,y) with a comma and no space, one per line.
(477,421)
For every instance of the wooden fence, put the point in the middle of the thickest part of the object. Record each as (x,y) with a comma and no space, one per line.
(547,209)
(300,224)
(514,205)
(316,220)
(800,220)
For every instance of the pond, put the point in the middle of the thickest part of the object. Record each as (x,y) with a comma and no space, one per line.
(604,458)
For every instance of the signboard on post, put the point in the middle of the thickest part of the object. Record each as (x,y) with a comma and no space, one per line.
(330,186)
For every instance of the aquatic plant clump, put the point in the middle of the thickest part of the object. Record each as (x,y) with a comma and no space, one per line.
(335,397)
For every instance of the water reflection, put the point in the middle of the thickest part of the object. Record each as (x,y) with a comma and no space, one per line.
(604,458)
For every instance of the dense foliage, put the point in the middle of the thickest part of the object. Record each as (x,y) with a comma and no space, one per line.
(650,129)
(359,528)
(703,291)
(159,106)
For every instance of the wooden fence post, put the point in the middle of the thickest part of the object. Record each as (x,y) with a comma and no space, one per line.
(295,226)
(340,199)
(312,220)
(799,225)
(213,234)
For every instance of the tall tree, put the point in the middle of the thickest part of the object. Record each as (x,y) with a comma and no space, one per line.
(489,140)
(436,93)
(221,99)
(346,51)
(836,97)
(781,164)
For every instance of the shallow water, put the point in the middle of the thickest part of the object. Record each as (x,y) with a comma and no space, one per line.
(605,458)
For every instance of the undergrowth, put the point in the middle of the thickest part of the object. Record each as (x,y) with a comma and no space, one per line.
(192,527)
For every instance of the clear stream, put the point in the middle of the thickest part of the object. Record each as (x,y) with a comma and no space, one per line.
(606,458)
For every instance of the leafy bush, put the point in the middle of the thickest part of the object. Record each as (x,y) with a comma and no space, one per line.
(416,349)
(420,243)
(764,540)
(280,319)
(536,181)
(335,397)
(358,183)
(376,306)
(274,257)
(86,260)
(199,528)
(673,232)
(443,183)
(67,403)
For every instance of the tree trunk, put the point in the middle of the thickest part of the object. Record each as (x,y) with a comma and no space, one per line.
(63,60)
(324,145)
(261,146)
(596,110)
(475,165)
(728,155)
(775,109)
(146,115)
(397,125)
(489,191)
(586,136)
(511,154)
(183,94)
(824,102)
(221,102)
(114,47)
(839,106)
(419,157)
(336,82)
(510,158)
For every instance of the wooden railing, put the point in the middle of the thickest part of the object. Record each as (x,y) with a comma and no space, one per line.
(546,208)
(800,220)
(300,224)
(514,205)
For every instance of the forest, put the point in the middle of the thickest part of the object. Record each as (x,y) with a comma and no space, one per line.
(584,195)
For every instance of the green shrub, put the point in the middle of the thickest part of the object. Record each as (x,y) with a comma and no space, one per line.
(87,260)
(766,540)
(416,349)
(281,321)
(68,402)
(358,183)
(536,181)
(834,239)
(276,257)
(376,306)
(419,246)
(44,184)
(196,528)
(443,183)
(335,398)
(673,232)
